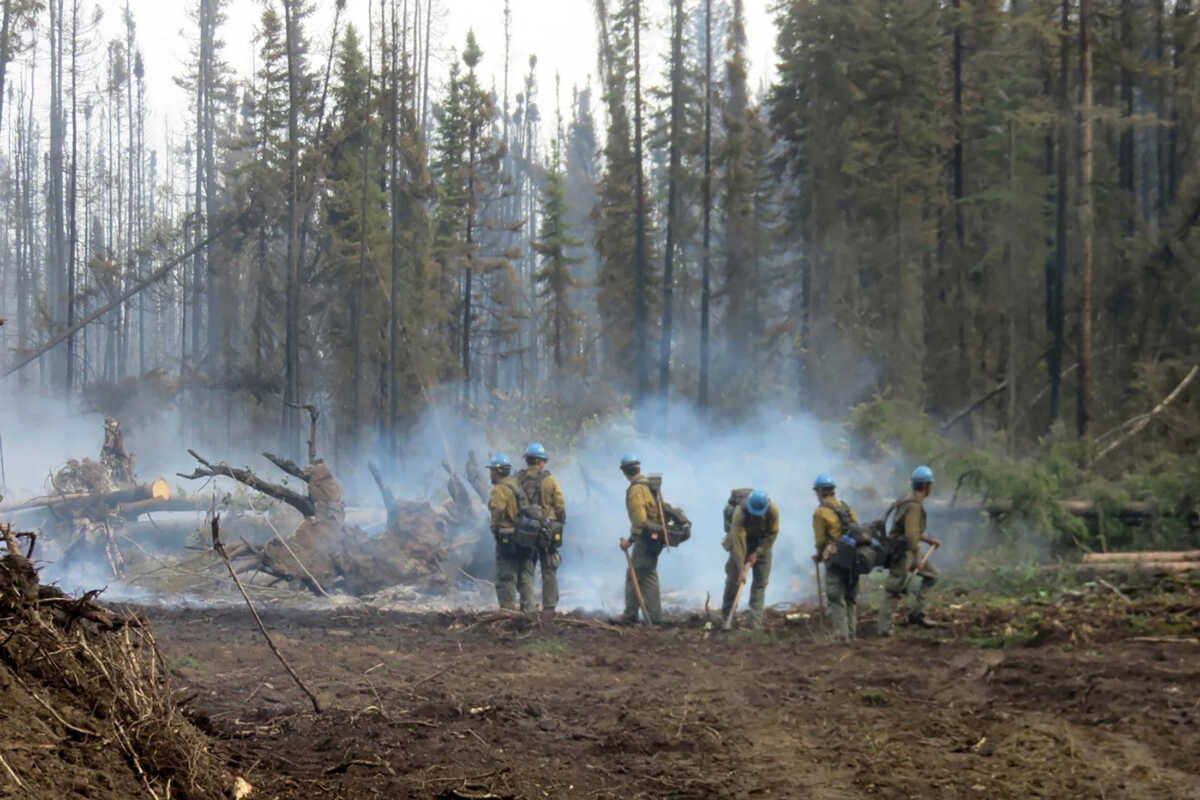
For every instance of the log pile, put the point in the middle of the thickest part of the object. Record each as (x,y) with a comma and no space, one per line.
(89,503)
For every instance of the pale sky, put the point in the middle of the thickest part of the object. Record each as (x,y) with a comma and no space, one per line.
(561,32)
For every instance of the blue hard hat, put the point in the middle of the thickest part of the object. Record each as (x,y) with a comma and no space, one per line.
(758,502)
(629,460)
(536,450)
(922,474)
(499,461)
(824,481)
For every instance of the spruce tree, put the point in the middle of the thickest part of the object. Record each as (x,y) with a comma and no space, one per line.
(555,280)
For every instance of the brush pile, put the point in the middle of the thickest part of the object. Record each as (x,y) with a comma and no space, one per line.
(85,703)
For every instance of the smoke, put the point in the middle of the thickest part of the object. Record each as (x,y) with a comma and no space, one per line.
(700,460)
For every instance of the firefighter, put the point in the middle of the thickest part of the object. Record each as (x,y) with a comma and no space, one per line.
(831,519)
(646,539)
(908,525)
(542,490)
(751,538)
(514,563)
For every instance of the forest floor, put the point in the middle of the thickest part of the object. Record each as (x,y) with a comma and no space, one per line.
(1055,694)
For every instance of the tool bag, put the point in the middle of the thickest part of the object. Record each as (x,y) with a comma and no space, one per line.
(736,498)
(679,527)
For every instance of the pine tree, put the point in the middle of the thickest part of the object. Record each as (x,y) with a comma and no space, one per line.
(614,215)
(555,279)
(737,204)
(357,227)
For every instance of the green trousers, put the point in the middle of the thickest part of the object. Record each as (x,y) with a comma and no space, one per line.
(899,583)
(760,574)
(514,574)
(841,596)
(645,566)
(550,562)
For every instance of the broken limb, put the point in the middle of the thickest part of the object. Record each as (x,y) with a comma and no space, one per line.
(209,470)
(313,415)
(389,499)
(288,466)
(1139,422)
(220,548)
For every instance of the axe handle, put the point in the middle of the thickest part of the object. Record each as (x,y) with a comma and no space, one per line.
(637,588)
(737,596)
(925,558)
(820,590)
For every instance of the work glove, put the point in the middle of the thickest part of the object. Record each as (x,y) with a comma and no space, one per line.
(625,544)
(850,540)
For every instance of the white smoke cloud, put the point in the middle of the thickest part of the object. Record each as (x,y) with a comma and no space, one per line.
(700,462)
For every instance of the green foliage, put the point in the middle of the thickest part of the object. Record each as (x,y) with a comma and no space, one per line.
(555,280)
(1031,488)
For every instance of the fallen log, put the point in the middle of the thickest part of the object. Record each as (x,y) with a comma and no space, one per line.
(1148,556)
(1147,567)
(1132,512)
(149,492)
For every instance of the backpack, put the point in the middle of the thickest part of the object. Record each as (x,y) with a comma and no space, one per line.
(736,498)
(534,523)
(893,543)
(528,533)
(679,527)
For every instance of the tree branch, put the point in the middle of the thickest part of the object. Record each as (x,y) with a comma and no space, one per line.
(220,548)
(244,476)
(313,414)
(288,466)
(1144,419)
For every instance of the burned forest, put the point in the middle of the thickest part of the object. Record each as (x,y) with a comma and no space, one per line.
(606,399)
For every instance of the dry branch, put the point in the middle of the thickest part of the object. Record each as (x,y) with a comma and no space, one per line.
(1138,423)
(220,548)
(209,470)
(313,415)
(288,466)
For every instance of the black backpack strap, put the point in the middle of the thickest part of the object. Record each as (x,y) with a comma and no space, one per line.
(895,507)
(518,493)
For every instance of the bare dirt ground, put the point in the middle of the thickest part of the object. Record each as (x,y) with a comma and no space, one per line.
(1054,699)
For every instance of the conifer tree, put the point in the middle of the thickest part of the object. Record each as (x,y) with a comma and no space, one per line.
(555,279)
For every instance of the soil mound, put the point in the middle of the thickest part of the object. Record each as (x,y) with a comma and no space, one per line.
(85,705)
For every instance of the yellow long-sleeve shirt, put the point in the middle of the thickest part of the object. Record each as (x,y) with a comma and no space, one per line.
(503,505)
(639,502)
(826,524)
